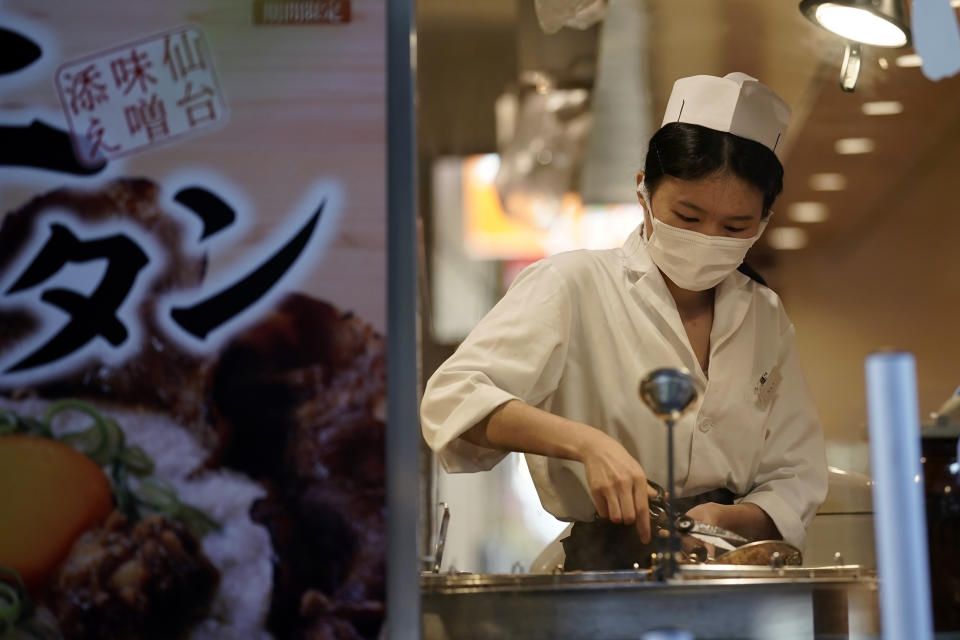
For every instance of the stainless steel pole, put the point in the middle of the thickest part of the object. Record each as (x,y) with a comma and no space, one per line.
(899,514)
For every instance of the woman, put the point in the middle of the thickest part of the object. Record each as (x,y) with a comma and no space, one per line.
(553,369)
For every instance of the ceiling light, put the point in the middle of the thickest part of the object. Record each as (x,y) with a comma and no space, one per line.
(853,146)
(787,238)
(875,22)
(909,60)
(882,108)
(828,182)
(808,212)
(955,4)
(850,67)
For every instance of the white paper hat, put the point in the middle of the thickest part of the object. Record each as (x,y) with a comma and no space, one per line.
(735,103)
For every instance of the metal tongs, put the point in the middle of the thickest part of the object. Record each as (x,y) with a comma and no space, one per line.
(710,533)
(441,538)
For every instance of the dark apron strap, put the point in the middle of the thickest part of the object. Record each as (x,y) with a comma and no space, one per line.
(602,545)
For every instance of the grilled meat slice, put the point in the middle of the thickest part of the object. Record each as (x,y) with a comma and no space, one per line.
(143,581)
(303,396)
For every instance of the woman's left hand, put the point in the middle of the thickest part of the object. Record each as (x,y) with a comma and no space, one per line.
(745,518)
(710,513)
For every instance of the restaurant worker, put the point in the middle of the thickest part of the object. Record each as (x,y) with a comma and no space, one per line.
(553,370)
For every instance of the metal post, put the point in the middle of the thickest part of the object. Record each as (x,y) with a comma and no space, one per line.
(899,514)
(673,544)
(403,442)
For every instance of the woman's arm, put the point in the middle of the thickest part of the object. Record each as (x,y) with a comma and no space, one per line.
(791,479)
(745,518)
(617,482)
(517,352)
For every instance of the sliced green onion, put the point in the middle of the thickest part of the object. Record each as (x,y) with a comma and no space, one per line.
(158,496)
(17,610)
(115,440)
(67,405)
(11,606)
(95,441)
(35,427)
(105,443)
(9,573)
(199,523)
(11,423)
(89,442)
(122,494)
(137,461)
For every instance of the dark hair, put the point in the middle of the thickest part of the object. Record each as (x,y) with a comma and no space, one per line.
(689,152)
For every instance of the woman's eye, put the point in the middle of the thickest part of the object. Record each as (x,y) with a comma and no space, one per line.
(735,229)
(686,218)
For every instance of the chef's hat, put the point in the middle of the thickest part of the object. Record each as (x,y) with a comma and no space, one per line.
(735,103)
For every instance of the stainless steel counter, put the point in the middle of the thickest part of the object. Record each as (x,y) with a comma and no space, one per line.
(711,601)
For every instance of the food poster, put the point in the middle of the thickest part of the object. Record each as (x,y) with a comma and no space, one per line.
(192,319)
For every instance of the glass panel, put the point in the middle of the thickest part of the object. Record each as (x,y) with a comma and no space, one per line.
(513,169)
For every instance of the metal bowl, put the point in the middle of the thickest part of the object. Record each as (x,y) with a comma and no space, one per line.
(763,552)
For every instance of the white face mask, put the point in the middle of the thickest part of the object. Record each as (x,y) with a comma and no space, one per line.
(694,261)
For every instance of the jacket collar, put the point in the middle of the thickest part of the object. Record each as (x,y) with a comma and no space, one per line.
(634,253)
(733,298)
(734,294)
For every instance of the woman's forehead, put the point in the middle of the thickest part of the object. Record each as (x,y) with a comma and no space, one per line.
(722,194)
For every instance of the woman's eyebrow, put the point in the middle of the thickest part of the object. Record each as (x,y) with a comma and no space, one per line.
(745,216)
(692,206)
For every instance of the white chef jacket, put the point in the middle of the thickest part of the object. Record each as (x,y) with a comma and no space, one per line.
(576,333)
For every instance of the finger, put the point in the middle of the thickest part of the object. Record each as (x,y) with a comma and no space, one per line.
(627,504)
(642,509)
(651,492)
(689,545)
(601,503)
(613,505)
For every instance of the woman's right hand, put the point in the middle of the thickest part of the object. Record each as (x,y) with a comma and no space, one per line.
(618,484)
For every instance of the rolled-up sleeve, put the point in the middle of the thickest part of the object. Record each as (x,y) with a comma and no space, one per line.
(516,352)
(791,481)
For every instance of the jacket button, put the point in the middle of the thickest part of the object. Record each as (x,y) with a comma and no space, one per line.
(705,425)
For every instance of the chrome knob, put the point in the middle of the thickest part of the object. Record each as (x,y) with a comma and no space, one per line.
(668,392)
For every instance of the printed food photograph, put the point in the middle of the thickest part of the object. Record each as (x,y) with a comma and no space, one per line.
(192,320)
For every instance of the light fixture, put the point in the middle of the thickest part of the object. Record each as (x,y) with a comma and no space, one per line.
(808,212)
(853,146)
(880,23)
(909,60)
(828,182)
(882,108)
(850,67)
(787,238)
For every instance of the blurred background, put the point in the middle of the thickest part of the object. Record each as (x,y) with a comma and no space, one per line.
(529,142)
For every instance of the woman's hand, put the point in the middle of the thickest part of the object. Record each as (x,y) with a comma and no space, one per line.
(745,518)
(710,513)
(618,484)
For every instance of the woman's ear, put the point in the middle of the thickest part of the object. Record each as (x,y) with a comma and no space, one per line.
(644,199)
(642,194)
